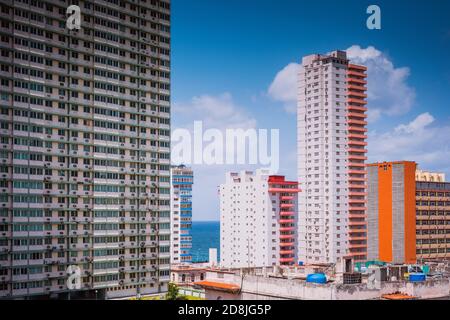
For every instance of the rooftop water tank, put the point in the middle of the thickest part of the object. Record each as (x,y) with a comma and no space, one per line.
(316,278)
(417,277)
(426,269)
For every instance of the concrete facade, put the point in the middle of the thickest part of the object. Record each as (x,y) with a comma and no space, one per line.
(182,179)
(85,148)
(433,220)
(331,144)
(186,275)
(259,287)
(258,220)
(391,212)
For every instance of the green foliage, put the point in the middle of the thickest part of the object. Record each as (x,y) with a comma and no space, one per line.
(172,293)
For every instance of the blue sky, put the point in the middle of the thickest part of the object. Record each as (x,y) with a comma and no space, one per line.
(241,55)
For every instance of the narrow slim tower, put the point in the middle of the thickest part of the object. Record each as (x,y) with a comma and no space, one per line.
(182,179)
(331,158)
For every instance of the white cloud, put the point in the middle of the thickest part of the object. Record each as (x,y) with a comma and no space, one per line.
(419,140)
(284,87)
(388,90)
(216,112)
(418,124)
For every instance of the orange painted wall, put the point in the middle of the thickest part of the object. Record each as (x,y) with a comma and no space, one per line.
(385,212)
(410,212)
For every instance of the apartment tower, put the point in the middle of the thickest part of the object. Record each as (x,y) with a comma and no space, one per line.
(258,220)
(391,213)
(85,148)
(331,129)
(182,179)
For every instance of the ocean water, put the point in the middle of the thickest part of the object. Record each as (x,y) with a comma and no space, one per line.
(205,235)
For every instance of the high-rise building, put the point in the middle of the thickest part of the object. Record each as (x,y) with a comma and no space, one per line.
(258,220)
(433,220)
(182,179)
(85,148)
(391,214)
(332,151)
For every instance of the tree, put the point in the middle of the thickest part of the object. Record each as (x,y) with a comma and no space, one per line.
(172,293)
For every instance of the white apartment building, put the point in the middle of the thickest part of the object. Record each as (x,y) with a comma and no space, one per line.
(85,149)
(258,220)
(182,179)
(331,158)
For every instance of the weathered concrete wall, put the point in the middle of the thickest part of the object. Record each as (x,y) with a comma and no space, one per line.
(217,295)
(253,296)
(264,288)
(288,289)
(355,292)
(429,289)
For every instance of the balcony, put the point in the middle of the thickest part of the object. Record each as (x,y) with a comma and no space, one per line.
(355,80)
(287,244)
(357,201)
(357,186)
(356,94)
(286,260)
(354,246)
(355,193)
(357,223)
(357,67)
(357,216)
(287,213)
(357,136)
(352,208)
(357,157)
(357,172)
(284,190)
(283,221)
(351,122)
(356,87)
(357,238)
(357,143)
(286,236)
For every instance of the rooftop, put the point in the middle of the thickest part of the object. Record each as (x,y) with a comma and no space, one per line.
(397,296)
(219,286)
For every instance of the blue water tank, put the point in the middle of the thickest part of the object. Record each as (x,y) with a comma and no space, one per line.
(316,278)
(417,277)
(300,263)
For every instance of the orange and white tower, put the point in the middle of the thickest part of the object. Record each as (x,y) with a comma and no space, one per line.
(331,129)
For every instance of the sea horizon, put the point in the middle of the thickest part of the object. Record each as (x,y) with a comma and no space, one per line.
(205,235)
